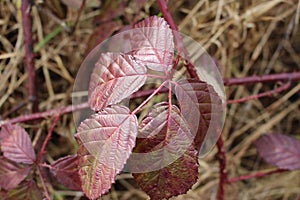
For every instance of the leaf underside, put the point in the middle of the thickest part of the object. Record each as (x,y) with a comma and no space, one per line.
(152,43)
(11,173)
(107,139)
(16,144)
(164,129)
(201,107)
(65,170)
(279,150)
(115,77)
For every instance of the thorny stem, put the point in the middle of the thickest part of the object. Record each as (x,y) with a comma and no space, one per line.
(256,175)
(29,54)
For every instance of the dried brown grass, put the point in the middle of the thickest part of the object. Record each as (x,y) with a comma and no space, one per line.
(248,38)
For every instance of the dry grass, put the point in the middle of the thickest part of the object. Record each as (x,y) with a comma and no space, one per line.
(250,37)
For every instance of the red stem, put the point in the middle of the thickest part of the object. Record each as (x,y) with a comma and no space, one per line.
(192,71)
(144,93)
(167,15)
(48,113)
(249,80)
(256,175)
(293,76)
(260,95)
(48,137)
(148,99)
(29,54)
(178,40)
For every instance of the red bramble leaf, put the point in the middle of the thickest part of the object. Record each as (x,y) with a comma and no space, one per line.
(96,177)
(165,134)
(16,144)
(279,150)
(11,173)
(201,107)
(65,170)
(152,43)
(114,78)
(172,180)
(176,171)
(109,137)
(168,143)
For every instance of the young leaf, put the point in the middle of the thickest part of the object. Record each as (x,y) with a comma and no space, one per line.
(11,173)
(201,107)
(164,135)
(279,150)
(152,43)
(65,170)
(28,190)
(114,78)
(109,137)
(16,144)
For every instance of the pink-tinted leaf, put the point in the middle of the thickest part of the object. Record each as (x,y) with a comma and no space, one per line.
(165,130)
(108,137)
(175,179)
(201,107)
(11,173)
(165,135)
(115,77)
(16,144)
(152,43)
(96,177)
(28,190)
(279,150)
(66,170)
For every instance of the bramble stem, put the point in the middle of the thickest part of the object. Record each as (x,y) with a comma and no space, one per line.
(222,168)
(260,95)
(178,40)
(256,175)
(293,76)
(29,54)
(48,137)
(43,183)
(48,113)
(148,99)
